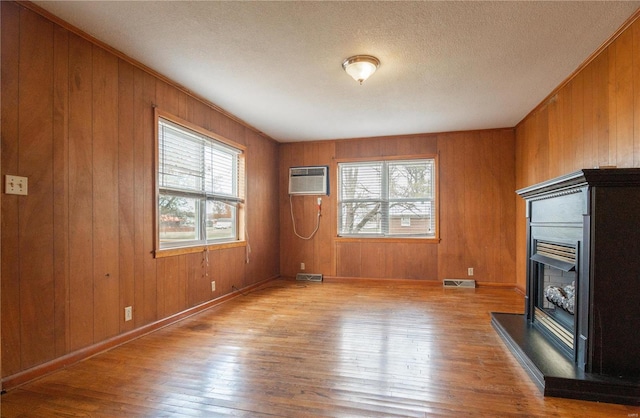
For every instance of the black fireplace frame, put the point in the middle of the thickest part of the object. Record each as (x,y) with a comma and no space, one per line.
(599,211)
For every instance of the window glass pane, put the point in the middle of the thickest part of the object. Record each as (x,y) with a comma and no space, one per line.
(409,179)
(200,184)
(178,220)
(180,158)
(220,168)
(361,218)
(221,221)
(410,218)
(387,198)
(361,181)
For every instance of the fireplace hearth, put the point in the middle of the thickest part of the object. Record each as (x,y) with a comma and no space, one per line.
(576,338)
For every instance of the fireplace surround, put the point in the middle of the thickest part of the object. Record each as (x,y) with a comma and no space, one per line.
(578,337)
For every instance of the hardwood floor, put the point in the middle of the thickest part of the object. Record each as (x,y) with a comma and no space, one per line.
(297,349)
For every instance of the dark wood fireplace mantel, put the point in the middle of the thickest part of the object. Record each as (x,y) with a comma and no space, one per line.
(597,212)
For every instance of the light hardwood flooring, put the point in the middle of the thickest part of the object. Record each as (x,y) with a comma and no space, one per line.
(297,349)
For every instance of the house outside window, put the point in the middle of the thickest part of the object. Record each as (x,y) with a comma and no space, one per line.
(389,198)
(199,186)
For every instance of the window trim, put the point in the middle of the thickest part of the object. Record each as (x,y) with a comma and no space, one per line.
(240,209)
(393,238)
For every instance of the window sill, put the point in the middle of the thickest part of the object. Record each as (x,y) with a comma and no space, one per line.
(407,240)
(170,252)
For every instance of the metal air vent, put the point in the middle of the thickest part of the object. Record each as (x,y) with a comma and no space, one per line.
(309,277)
(458,283)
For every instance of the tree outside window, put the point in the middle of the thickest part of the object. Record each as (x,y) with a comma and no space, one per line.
(387,198)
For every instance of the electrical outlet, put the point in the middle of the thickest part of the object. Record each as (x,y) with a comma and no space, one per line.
(128,313)
(213,286)
(470,271)
(16,185)
(302,266)
(319,201)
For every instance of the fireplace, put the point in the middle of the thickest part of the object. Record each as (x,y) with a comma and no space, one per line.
(576,337)
(554,300)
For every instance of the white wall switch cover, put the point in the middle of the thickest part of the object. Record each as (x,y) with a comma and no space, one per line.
(16,185)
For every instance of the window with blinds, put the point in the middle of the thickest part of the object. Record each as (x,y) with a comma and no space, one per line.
(199,187)
(387,198)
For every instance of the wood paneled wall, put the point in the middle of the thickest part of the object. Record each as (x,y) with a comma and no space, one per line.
(77,120)
(591,121)
(476,173)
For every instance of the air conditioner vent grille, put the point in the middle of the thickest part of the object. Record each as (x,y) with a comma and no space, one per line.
(308,171)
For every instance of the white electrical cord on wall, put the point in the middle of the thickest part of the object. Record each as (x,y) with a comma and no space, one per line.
(293,221)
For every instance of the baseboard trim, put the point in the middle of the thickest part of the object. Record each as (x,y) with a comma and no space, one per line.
(428,282)
(41,370)
(343,279)
(512,286)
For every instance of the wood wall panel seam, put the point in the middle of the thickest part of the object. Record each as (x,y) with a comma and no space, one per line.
(9,88)
(352,254)
(123,56)
(14,381)
(591,120)
(94,164)
(626,25)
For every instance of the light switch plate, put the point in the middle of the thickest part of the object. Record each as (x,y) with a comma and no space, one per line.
(16,185)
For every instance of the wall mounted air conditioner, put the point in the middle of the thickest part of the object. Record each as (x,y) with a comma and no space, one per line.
(309,180)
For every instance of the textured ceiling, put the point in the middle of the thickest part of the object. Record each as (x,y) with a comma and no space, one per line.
(445,66)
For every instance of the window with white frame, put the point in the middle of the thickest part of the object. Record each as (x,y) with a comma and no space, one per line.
(393,198)
(199,187)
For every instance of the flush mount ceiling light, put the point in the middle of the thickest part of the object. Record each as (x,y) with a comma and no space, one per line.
(360,67)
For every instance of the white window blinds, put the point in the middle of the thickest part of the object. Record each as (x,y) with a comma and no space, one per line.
(387,198)
(192,163)
(199,187)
